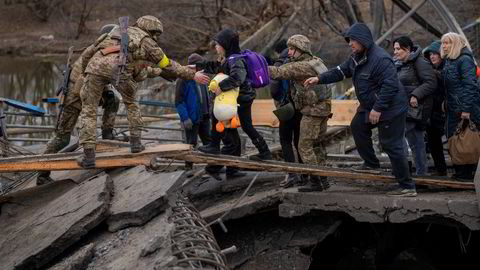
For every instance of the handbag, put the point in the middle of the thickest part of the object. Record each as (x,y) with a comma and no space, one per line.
(415,113)
(464,145)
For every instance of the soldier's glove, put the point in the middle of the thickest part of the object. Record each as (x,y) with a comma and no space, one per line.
(187,124)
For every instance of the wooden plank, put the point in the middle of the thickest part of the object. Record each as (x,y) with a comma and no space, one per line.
(67,161)
(278,166)
(343,112)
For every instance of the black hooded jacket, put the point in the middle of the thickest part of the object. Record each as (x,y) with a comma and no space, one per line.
(374,76)
(236,69)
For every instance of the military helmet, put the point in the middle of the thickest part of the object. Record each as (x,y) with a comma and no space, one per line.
(107,28)
(300,42)
(150,24)
(285,112)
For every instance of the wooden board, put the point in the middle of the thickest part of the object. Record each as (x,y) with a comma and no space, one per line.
(67,161)
(343,112)
(278,166)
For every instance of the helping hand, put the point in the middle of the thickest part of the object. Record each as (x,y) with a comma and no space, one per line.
(374,117)
(201,78)
(187,124)
(310,81)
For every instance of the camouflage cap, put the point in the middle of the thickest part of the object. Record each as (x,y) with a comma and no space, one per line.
(150,24)
(300,42)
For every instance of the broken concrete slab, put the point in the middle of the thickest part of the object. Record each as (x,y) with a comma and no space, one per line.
(248,206)
(30,241)
(78,176)
(123,249)
(77,261)
(368,205)
(140,195)
(291,258)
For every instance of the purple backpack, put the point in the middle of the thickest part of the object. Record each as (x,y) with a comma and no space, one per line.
(257,68)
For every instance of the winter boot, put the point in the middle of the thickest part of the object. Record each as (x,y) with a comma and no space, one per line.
(314,185)
(211,148)
(135,145)
(107,134)
(87,161)
(44,178)
(263,151)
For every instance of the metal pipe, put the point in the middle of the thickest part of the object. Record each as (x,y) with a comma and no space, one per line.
(401,21)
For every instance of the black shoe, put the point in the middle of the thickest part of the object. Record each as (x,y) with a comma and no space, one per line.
(366,169)
(462,178)
(107,134)
(315,184)
(263,150)
(43,180)
(210,149)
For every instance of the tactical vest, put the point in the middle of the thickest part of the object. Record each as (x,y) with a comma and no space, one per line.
(135,37)
(316,100)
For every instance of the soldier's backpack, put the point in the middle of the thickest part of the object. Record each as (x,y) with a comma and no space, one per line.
(257,68)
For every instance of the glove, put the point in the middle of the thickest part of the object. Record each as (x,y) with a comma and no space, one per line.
(187,124)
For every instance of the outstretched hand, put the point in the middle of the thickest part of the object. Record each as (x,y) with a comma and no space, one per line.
(310,81)
(201,78)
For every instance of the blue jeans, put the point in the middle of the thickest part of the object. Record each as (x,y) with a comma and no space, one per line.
(416,141)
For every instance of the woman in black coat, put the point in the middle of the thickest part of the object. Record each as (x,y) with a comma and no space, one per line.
(419,81)
(436,127)
(462,93)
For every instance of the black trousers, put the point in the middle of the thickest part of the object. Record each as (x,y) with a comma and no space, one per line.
(435,144)
(231,145)
(201,129)
(391,134)
(289,132)
(245,115)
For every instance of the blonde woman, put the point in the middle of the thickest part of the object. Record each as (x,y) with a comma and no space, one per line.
(462,93)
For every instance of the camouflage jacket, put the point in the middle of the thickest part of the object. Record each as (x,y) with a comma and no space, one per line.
(312,101)
(143,52)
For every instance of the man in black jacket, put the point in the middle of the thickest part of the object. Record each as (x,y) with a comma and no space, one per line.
(383,104)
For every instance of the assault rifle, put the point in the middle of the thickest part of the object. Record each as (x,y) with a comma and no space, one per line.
(122,57)
(64,86)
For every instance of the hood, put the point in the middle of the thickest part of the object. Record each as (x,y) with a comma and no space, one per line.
(434,47)
(417,50)
(361,33)
(466,51)
(228,39)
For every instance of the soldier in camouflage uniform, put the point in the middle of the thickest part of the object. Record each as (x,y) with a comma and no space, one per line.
(314,103)
(73,106)
(143,54)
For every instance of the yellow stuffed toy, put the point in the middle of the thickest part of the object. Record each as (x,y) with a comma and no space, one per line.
(225,105)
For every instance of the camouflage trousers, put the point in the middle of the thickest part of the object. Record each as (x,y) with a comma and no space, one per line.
(310,146)
(91,93)
(71,112)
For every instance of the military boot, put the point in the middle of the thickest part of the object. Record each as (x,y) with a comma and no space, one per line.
(107,134)
(314,185)
(263,151)
(87,161)
(135,145)
(44,178)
